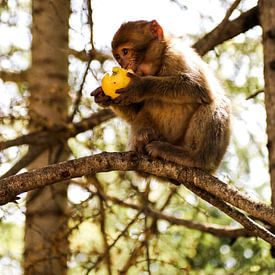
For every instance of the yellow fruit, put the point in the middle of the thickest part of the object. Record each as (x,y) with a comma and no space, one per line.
(117,80)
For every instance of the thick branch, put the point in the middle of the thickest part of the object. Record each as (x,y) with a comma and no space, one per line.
(223,32)
(194,179)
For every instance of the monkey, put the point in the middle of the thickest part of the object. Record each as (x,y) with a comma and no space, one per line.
(175,106)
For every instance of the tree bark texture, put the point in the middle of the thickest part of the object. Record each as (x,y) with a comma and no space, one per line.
(46,245)
(204,185)
(267,17)
(267,8)
(230,29)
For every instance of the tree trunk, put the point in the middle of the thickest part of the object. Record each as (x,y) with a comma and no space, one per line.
(267,17)
(46,244)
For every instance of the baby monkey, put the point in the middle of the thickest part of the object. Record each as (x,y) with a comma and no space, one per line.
(174,105)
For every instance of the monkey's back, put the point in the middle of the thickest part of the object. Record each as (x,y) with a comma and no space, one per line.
(201,129)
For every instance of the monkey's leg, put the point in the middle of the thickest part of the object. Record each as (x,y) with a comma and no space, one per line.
(170,152)
(143,132)
(204,142)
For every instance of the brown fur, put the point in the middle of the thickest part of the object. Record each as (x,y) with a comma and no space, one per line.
(175,106)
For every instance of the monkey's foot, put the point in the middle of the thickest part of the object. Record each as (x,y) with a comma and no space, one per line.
(170,152)
(165,150)
(154,149)
(142,137)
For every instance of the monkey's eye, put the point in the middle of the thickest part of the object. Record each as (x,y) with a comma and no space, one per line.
(125,51)
(117,56)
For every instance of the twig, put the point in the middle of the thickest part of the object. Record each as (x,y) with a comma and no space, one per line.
(245,221)
(103,230)
(221,231)
(33,152)
(255,94)
(53,136)
(80,91)
(147,234)
(229,12)
(91,23)
(94,54)
(166,203)
(147,229)
(134,255)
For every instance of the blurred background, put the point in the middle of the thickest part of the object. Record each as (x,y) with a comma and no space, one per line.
(103,234)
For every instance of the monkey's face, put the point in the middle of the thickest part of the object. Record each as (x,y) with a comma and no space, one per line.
(139,46)
(127,57)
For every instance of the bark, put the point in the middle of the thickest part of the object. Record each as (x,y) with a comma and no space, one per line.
(46,245)
(52,137)
(17,77)
(194,179)
(267,15)
(41,140)
(224,32)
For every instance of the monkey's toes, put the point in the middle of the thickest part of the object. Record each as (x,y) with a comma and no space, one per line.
(153,149)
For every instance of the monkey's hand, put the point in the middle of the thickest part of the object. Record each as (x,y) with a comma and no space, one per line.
(100,98)
(133,93)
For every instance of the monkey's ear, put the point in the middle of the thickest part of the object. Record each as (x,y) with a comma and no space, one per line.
(156,29)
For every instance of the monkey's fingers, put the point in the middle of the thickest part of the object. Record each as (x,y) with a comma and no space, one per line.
(97,92)
(122,91)
(104,101)
(129,74)
(134,78)
(100,98)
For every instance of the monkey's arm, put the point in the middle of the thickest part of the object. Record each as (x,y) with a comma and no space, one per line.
(181,88)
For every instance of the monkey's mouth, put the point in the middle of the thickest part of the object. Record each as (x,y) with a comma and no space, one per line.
(131,66)
(135,69)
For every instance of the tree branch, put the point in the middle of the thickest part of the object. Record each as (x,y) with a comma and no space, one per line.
(216,230)
(52,137)
(194,179)
(33,152)
(18,77)
(227,30)
(91,22)
(229,12)
(103,228)
(80,91)
(93,54)
(224,31)
(255,94)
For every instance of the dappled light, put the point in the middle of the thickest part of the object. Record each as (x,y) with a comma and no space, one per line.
(74,198)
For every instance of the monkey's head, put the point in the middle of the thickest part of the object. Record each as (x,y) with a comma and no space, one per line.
(139,45)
